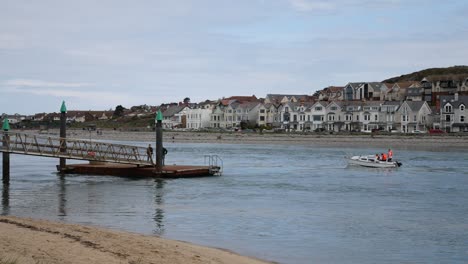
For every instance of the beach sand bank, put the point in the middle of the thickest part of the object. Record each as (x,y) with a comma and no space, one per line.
(28,241)
(413,141)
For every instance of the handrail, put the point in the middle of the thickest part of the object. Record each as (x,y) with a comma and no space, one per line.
(27,144)
(215,163)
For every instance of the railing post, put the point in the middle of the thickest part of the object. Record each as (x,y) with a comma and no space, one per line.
(63,136)
(159,142)
(6,154)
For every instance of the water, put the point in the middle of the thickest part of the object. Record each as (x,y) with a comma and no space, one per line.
(291,204)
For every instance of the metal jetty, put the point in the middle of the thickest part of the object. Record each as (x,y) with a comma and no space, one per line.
(105,158)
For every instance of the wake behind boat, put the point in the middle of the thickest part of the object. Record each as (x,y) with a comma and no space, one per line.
(372,162)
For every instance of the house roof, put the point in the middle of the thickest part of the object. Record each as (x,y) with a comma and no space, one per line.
(415,106)
(171,111)
(375,85)
(249,105)
(407,84)
(242,99)
(279,97)
(462,99)
(355,85)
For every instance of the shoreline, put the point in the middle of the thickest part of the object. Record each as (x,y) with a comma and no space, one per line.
(402,141)
(24,240)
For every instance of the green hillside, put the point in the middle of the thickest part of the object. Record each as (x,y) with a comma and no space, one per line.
(418,76)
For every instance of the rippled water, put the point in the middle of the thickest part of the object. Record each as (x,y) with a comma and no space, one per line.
(291,204)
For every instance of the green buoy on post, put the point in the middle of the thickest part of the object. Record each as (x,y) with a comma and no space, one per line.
(63,136)
(6,124)
(6,154)
(159,142)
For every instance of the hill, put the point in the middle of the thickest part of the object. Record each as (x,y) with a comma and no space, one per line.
(418,76)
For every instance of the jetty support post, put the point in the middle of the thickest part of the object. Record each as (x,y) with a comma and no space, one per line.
(159,142)
(6,154)
(63,136)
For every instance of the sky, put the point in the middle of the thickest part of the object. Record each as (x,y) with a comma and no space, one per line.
(100,54)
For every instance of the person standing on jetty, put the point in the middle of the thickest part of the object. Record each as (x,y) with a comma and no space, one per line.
(149,153)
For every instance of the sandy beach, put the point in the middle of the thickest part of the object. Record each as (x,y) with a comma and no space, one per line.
(414,141)
(28,241)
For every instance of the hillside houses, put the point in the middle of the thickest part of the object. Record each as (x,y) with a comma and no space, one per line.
(453,113)
(436,101)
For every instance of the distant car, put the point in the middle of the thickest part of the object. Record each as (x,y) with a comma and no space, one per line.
(417,132)
(436,131)
(366,131)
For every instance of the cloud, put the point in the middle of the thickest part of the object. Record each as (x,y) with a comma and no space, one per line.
(40,83)
(332,5)
(308,5)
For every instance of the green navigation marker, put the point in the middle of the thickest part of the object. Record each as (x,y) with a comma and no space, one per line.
(159,116)
(63,109)
(6,125)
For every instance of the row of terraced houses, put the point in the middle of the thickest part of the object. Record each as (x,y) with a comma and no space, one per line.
(434,102)
(437,102)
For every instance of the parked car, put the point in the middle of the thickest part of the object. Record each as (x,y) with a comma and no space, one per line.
(436,131)
(418,132)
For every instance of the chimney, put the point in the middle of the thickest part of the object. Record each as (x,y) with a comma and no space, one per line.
(456,97)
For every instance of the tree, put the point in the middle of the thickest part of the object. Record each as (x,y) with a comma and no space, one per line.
(186,100)
(119,110)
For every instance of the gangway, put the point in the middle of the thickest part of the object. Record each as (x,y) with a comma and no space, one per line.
(78,149)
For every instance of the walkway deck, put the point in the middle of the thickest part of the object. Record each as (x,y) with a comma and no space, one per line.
(172,171)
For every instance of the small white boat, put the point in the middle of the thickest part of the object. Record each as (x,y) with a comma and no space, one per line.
(372,162)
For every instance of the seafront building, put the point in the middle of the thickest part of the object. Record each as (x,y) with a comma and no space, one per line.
(435,102)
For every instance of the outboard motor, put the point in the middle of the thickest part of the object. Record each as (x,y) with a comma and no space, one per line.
(399,164)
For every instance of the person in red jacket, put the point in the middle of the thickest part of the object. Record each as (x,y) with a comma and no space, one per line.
(390,155)
(384,157)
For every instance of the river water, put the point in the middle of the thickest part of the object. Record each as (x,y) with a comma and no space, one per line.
(290,204)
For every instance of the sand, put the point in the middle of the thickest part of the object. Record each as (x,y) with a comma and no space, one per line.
(38,241)
(413,141)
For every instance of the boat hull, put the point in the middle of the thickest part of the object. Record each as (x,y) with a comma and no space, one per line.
(371,162)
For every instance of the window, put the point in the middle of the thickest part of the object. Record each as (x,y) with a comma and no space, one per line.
(262,118)
(333,108)
(415,118)
(318,108)
(367,118)
(357,118)
(286,109)
(448,108)
(462,108)
(376,117)
(447,118)
(262,111)
(462,119)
